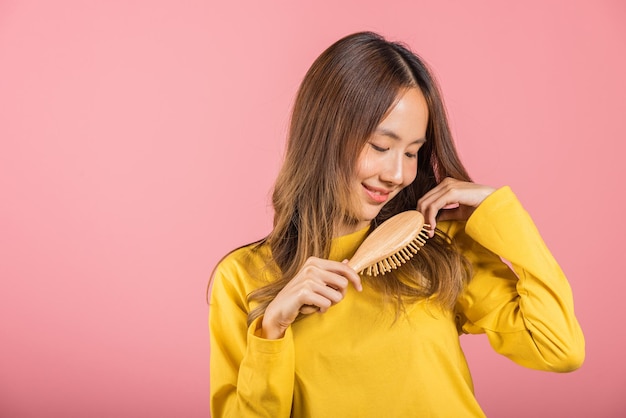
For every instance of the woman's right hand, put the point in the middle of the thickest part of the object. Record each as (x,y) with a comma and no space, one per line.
(319,283)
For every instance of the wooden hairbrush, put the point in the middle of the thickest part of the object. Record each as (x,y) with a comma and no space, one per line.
(389,246)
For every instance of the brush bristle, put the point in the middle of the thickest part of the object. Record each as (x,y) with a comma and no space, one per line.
(401,257)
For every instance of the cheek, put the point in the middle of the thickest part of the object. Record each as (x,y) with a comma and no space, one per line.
(364,166)
(410,172)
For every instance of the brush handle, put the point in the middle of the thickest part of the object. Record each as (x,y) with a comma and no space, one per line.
(358,264)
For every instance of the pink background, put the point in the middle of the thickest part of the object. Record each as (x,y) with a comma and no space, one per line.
(139,141)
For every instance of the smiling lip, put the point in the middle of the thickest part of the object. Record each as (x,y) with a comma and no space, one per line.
(377,195)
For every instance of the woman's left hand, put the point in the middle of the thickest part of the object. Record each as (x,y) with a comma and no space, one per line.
(455,199)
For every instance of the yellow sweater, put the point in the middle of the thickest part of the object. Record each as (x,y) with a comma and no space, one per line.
(354,361)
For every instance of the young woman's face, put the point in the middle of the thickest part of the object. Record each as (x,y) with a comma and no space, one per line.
(388,162)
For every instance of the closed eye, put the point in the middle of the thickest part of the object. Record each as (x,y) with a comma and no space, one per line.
(408,154)
(377,148)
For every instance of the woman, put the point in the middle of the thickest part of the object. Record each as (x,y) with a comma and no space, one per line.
(369,138)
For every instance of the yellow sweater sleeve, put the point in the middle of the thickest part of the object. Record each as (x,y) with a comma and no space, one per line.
(528,314)
(249,376)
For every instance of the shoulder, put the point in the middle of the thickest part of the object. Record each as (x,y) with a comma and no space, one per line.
(246,257)
(244,267)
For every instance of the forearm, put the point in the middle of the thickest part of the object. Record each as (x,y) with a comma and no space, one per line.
(534,323)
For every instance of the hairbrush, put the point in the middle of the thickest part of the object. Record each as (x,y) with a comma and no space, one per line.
(388,247)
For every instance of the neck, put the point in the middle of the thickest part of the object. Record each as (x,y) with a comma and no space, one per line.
(348,228)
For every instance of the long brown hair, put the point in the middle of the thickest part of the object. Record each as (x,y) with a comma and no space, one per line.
(344,96)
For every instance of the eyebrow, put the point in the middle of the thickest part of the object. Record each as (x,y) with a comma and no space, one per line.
(394,136)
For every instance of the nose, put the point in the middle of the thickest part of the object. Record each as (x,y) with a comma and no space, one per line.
(392,170)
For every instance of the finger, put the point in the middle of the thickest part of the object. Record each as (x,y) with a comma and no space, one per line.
(354,278)
(430,217)
(329,296)
(346,271)
(457,191)
(439,189)
(309,309)
(452,206)
(334,296)
(442,196)
(425,206)
(315,303)
(338,283)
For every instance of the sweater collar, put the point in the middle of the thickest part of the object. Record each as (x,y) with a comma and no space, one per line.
(344,247)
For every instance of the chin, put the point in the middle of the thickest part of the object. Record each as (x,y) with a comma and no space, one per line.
(369,217)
